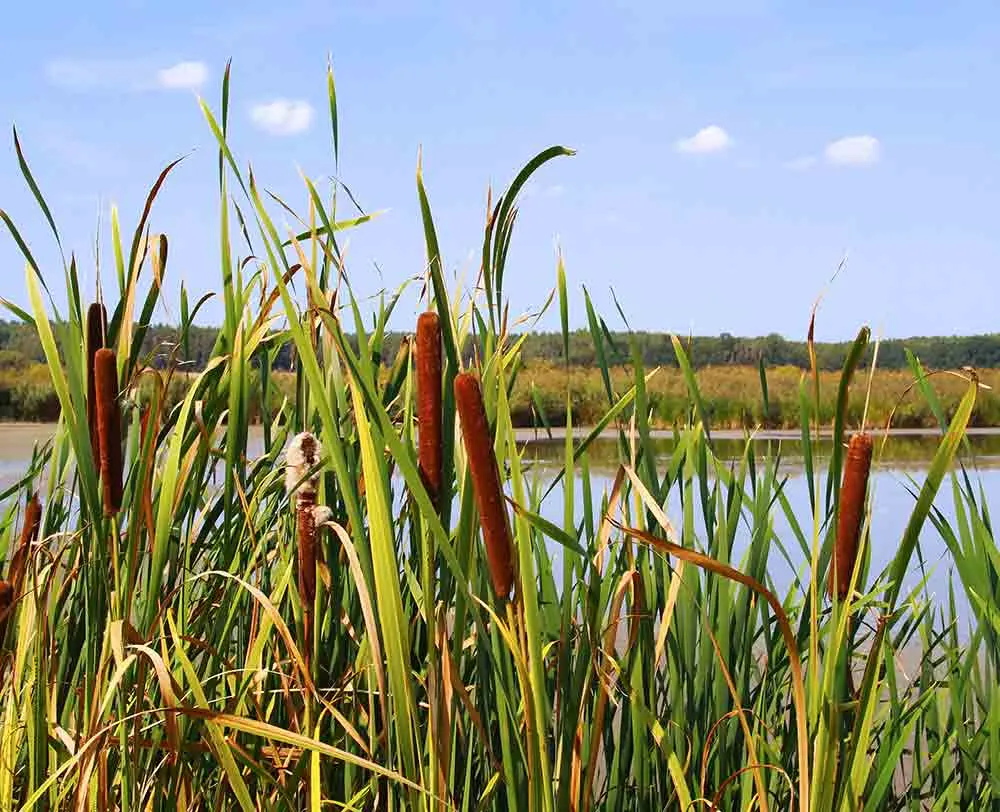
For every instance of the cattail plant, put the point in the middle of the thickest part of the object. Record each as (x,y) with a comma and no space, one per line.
(429,402)
(29,535)
(109,428)
(852,510)
(97,320)
(485,481)
(303,453)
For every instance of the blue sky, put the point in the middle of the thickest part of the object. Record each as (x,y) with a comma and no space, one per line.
(730,154)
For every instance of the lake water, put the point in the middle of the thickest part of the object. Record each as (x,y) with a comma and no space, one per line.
(904,462)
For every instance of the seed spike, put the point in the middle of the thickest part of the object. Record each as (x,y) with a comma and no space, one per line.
(302,456)
(485,481)
(429,366)
(851,514)
(29,535)
(97,322)
(109,428)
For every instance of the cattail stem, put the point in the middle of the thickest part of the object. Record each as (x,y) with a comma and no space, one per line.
(97,319)
(851,514)
(109,428)
(429,402)
(485,481)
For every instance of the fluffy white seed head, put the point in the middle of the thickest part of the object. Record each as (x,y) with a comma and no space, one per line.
(321,514)
(303,452)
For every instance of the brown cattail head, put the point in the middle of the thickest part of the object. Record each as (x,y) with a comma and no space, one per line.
(429,401)
(302,455)
(851,515)
(97,320)
(6,602)
(29,535)
(485,481)
(109,428)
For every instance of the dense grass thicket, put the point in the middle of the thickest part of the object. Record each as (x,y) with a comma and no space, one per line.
(359,618)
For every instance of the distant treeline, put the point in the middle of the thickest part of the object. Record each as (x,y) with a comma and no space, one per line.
(19,345)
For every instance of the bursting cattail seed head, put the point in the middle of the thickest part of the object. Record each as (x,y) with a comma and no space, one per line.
(109,428)
(302,455)
(852,509)
(97,321)
(485,481)
(429,401)
(303,452)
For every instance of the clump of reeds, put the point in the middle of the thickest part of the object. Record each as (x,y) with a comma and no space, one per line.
(109,428)
(97,319)
(852,509)
(485,481)
(428,365)
(300,460)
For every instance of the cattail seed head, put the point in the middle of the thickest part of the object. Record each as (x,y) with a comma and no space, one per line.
(32,520)
(109,428)
(485,481)
(851,514)
(29,535)
(97,320)
(302,455)
(429,402)
(6,600)
(7,596)
(303,452)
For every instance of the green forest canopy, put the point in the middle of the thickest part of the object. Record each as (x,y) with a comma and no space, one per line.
(19,346)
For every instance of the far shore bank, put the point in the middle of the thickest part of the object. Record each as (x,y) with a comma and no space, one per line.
(558,433)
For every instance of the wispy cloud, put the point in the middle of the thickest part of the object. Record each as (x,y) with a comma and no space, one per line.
(855,150)
(708,139)
(131,75)
(183,76)
(282,116)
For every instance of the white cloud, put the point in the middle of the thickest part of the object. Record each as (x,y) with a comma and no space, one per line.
(708,139)
(802,164)
(183,76)
(282,116)
(130,75)
(855,150)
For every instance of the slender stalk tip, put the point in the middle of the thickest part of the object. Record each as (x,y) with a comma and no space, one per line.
(485,481)
(851,514)
(109,428)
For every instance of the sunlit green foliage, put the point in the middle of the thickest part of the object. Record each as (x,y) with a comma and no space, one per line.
(156,659)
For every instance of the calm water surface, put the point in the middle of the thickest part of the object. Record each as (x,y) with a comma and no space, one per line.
(901,468)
